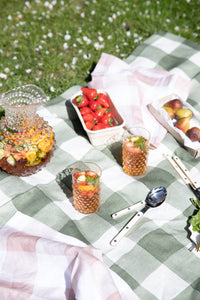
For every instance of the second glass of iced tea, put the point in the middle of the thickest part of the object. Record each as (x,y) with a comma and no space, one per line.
(86,187)
(135,150)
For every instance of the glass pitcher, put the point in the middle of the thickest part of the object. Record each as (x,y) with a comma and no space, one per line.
(27,141)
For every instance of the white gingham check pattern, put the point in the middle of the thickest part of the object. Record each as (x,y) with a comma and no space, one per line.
(153,259)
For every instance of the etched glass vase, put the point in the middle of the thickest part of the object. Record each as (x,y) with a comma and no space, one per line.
(27,141)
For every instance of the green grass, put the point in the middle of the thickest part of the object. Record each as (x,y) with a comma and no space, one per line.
(56,44)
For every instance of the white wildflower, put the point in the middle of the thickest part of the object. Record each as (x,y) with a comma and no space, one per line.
(67,37)
(65,46)
(28,71)
(100,38)
(6,70)
(9,17)
(27,3)
(50,34)
(87,40)
(74,60)
(3,76)
(52,89)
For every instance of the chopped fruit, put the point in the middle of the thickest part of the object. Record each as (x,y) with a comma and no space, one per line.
(81,178)
(86,188)
(91,174)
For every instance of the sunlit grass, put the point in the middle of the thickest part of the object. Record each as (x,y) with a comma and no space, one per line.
(54,44)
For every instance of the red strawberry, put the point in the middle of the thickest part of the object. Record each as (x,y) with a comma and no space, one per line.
(88,117)
(99,126)
(100,112)
(89,93)
(81,101)
(85,110)
(89,125)
(103,100)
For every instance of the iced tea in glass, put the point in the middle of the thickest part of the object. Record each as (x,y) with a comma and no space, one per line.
(86,187)
(135,150)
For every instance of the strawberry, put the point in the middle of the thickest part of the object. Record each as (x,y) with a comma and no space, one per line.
(81,101)
(100,112)
(89,93)
(107,120)
(99,126)
(93,105)
(88,117)
(89,125)
(103,100)
(85,110)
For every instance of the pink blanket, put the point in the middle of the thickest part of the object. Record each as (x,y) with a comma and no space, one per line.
(39,263)
(132,88)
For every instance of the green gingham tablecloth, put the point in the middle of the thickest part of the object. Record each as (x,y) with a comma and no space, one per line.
(154,258)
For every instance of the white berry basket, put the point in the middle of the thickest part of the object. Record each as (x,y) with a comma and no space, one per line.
(103,136)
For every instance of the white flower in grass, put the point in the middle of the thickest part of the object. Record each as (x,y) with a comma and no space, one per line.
(27,3)
(93,12)
(109,37)
(28,71)
(87,56)
(66,66)
(176,28)
(14,58)
(17,67)
(65,46)
(110,19)
(87,40)
(82,15)
(1,84)
(6,70)
(3,76)
(50,34)
(74,60)
(67,36)
(52,89)
(128,33)
(98,46)
(195,34)
(100,38)
(168,20)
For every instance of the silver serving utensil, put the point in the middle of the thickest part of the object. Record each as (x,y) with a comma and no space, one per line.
(154,198)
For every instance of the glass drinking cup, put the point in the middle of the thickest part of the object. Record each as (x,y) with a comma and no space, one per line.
(135,150)
(86,187)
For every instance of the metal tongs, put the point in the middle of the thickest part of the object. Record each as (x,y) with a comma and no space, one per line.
(185,175)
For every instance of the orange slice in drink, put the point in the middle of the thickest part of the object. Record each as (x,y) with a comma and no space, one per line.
(86,188)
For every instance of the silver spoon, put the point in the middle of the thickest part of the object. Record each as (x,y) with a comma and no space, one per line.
(154,198)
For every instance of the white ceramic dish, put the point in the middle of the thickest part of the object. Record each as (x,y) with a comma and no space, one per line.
(107,135)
